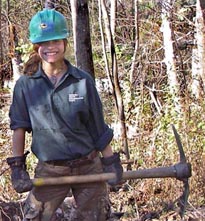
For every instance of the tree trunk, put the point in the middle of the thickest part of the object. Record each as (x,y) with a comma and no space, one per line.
(113,8)
(81,34)
(169,53)
(1,53)
(198,58)
(49,4)
(136,41)
(14,55)
(1,48)
(113,77)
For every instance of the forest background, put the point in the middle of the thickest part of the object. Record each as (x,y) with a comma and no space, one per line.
(148,60)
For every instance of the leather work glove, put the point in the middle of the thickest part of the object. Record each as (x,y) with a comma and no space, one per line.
(112,164)
(19,176)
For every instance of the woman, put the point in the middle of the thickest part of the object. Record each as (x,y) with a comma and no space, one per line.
(60,105)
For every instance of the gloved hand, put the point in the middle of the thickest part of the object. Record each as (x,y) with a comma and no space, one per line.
(112,164)
(19,176)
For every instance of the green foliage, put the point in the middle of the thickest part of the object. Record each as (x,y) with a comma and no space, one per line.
(24,49)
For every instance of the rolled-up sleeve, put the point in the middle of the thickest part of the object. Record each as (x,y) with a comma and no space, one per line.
(98,129)
(104,139)
(18,113)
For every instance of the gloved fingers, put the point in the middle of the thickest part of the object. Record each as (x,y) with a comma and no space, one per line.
(112,164)
(22,186)
(110,160)
(118,170)
(21,180)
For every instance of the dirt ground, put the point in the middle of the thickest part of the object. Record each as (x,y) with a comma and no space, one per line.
(139,200)
(12,211)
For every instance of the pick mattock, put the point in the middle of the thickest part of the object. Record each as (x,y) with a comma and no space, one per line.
(180,171)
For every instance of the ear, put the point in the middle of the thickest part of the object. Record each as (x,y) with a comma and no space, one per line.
(65,44)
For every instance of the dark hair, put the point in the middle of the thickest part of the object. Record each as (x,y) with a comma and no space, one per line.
(32,65)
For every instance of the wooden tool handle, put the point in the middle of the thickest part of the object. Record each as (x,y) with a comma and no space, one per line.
(72,179)
(177,171)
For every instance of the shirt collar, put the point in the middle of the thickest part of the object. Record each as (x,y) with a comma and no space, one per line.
(71,71)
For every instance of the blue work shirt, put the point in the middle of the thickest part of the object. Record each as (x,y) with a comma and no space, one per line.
(66,121)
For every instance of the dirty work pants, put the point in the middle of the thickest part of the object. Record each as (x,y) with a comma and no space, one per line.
(91,199)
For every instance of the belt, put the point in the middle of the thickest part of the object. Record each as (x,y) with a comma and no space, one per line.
(75,163)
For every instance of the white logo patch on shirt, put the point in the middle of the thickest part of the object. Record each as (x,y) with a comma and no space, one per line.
(74,97)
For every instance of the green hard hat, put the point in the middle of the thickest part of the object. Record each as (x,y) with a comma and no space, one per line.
(47,25)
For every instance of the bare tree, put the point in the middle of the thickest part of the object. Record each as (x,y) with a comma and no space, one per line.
(112,71)
(136,40)
(113,8)
(1,49)
(81,34)
(50,4)
(169,52)
(13,53)
(198,58)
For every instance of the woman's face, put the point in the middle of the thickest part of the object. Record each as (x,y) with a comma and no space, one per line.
(52,51)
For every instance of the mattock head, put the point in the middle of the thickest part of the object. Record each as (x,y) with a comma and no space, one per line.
(182,201)
(184,197)
(179,144)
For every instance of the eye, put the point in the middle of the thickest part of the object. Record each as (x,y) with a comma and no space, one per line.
(58,41)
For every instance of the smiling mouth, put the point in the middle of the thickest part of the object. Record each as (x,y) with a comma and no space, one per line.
(50,53)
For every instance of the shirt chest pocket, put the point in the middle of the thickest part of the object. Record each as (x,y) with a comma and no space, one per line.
(41,117)
(75,114)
